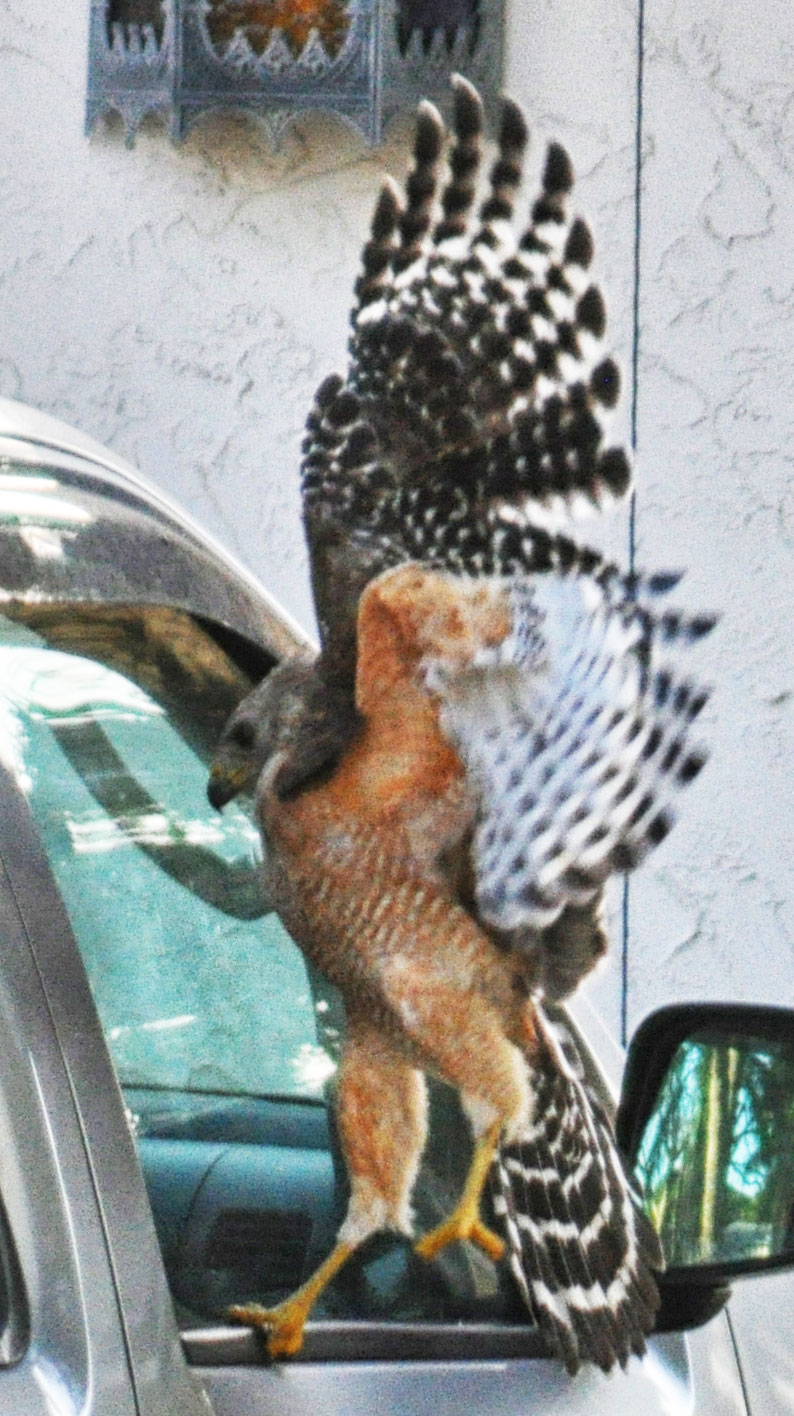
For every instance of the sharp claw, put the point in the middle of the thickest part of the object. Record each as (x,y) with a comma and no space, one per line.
(285,1322)
(283,1325)
(247,1313)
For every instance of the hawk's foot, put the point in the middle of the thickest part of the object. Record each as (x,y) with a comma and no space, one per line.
(465,1222)
(460,1225)
(285,1323)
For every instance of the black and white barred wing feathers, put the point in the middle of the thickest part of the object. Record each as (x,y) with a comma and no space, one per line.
(477,348)
(476,375)
(581,1250)
(476,402)
(565,705)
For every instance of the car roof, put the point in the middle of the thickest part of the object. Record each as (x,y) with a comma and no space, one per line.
(84,524)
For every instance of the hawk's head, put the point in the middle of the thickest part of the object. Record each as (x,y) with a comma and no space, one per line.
(264,723)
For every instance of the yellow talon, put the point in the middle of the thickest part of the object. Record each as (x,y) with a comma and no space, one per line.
(285,1322)
(491,1243)
(465,1222)
(460,1226)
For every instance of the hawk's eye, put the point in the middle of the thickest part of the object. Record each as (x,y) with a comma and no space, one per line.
(243,734)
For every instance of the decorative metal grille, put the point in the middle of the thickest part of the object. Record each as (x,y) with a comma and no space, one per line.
(160,56)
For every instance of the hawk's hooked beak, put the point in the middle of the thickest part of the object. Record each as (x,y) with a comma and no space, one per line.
(223,785)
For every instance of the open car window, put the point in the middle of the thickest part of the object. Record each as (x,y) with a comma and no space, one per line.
(224,1042)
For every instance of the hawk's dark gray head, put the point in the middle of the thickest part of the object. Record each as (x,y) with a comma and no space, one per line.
(263,723)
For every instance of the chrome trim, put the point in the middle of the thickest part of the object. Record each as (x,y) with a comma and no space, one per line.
(27,435)
(369,1342)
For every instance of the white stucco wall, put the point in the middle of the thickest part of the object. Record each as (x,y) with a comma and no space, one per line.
(182,303)
(715,425)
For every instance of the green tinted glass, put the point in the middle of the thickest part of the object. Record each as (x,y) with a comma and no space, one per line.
(196,990)
(716,1159)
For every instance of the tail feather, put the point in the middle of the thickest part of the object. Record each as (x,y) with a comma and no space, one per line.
(580,1249)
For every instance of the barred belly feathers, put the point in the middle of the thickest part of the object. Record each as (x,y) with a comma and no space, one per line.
(495,724)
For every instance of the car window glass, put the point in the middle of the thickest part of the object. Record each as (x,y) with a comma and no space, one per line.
(224,1042)
(189,979)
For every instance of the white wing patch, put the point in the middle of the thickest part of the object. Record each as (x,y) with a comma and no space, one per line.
(574,739)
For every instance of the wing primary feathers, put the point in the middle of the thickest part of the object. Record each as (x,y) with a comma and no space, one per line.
(377,258)
(476,360)
(506,173)
(465,156)
(420,186)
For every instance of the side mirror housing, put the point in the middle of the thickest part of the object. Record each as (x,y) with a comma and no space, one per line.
(706,1123)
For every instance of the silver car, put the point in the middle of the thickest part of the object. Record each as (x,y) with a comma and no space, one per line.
(167,1148)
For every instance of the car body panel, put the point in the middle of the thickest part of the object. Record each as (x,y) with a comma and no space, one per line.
(75,1360)
(762,1322)
(162,1381)
(84,529)
(666,1383)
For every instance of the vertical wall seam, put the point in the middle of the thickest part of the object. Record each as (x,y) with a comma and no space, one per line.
(737,1355)
(635,356)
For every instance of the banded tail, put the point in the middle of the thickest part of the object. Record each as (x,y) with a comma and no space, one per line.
(579,1247)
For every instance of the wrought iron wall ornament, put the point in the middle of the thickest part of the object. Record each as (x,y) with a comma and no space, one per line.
(160,56)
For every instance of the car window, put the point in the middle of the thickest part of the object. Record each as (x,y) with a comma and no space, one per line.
(224,1042)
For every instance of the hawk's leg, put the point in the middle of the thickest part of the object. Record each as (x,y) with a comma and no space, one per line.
(462,1032)
(285,1323)
(381,1105)
(465,1222)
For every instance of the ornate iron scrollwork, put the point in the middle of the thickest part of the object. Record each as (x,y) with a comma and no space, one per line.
(161,56)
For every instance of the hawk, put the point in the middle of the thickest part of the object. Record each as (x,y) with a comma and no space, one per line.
(493,726)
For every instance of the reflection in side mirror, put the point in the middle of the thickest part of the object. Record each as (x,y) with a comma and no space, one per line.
(712,1135)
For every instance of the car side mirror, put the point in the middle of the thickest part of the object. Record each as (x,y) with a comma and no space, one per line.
(706,1123)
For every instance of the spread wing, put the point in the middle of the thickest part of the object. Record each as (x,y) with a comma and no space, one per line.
(476,394)
(561,694)
(476,380)
(476,397)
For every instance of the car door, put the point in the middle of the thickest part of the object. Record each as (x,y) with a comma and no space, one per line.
(156,951)
(762,1321)
(62,1345)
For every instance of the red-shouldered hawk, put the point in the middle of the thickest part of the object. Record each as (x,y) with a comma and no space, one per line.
(490,731)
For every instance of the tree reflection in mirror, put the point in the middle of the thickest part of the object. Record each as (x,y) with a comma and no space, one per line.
(716,1158)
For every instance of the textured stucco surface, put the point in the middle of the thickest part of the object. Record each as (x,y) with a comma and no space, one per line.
(715,425)
(182,303)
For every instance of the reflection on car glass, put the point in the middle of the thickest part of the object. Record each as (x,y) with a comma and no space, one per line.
(174,846)
(80,700)
(196,989)
(162,650)
(716,1161)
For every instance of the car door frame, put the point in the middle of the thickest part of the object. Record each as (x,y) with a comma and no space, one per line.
(89,1184)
